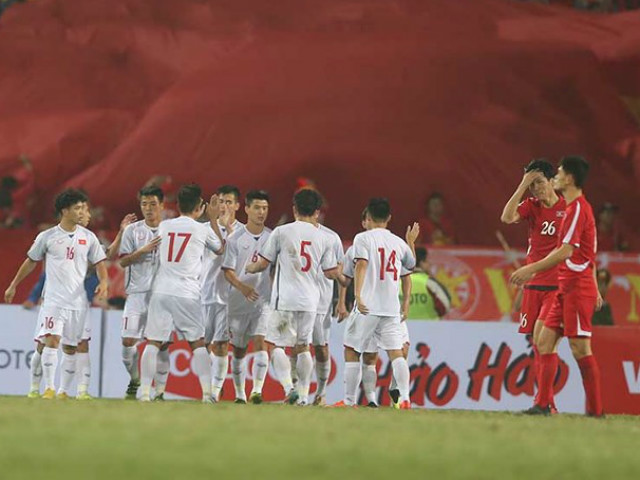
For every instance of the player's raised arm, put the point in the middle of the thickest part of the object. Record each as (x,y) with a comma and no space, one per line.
(114,248)
(413,232)
(510,211)
(213,212)
(23,272)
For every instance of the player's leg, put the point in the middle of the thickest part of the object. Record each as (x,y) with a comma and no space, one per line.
(320,342)
(50,364)
(73,327)
(239,332)
(548,340)
(280,335)
(260,367)
(389,334)
(134,320)
(162,372)
(394,393)
(370,377)
(202,367)
(83,370)
(304,322)
(35,370)
(158,331)
(219,349)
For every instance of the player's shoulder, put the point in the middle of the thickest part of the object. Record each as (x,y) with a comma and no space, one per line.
(49,233)
(329,232)
(87,233)
(239,232)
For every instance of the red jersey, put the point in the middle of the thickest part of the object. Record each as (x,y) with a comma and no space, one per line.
(579,230)
(544,231)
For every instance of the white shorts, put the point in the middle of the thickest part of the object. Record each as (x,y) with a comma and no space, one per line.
(386,332)
(351,338)
(243,327)
(405,333)
(134,316)
(86,324)
(321,329)
(168,313)
(216,322)
(288,329)
(64,323)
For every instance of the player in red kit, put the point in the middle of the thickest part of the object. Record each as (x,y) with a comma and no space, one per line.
(577,296)
(543,211)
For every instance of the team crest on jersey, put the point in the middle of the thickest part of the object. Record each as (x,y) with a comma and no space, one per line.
(560,214)
(140,235)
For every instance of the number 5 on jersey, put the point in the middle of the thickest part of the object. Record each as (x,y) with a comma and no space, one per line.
(304,254)
(172,241)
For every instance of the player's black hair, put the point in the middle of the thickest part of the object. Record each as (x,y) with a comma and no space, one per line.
(151,191)
(227,189)
(363,217)
(67,198)
(189,198)
(541,165)
(379,209)
(435,196)
(255,195)
(577,167)
(421,254)
(307,202)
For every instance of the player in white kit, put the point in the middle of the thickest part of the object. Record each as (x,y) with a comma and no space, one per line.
(298,250)
(248,300)
(139,258)
(175,294)
(322,326)
(380,256)
(68,250)
(215,290)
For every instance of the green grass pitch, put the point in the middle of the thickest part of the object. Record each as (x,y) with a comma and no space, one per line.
(117,439)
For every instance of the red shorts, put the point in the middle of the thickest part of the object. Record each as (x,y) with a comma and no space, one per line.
(534,304)
(570,313)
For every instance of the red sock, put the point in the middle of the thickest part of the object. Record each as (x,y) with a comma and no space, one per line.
(536,373)
(591,381)
(548,370)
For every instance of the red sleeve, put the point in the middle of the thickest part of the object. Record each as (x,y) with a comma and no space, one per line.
(573,226)
(525,209)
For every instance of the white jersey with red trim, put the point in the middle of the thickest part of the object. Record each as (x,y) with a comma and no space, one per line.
(139,275)
(349,263)
(68,256)
(182,247)
(299,250)
(325,284)
(215,288)
(386,255)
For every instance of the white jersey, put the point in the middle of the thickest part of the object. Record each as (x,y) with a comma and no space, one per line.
(138,276)
(214,287)
(386,254)
(68,256)
(349,263)
(299,250)
(242,249)
(326,285)
(182,247)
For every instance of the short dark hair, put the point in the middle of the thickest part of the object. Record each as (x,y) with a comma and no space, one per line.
(307,202)
(227,189)
(256,195)
(151,191)
(379,209)
(435,196)
(541,165)
(363,217)
(577,167)
(67,198)
(421,254)
(189,197)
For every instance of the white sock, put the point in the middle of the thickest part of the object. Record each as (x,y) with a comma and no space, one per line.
(369,380)
(49,361)
(352,376)
(259,370)
(219,369)
(293,361)
(402,376)
(36,371)
(162,373)
(68,367)
(148,367)
(323,370)
(282,367)
(83,368)
(393,385)
(239,377)
(202,368)
(130,360)
(305,369)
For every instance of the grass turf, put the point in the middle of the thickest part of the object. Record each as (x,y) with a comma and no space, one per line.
(116,439)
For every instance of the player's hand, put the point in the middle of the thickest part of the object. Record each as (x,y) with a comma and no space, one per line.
(362,308)
(127,220)
(342,312)
(413,232)
(599,302)
(9,293)
(521,276)
(249,292)
(529,177)
(213,208)
(405,311)
(151,246)
(28,305)
(102,290)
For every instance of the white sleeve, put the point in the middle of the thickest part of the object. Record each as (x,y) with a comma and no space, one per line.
(212,241)
(360,250)
(96,251)
(39,247)
(338,250)
(127,246)
(408,260)
(347,267)
(271,248)
(328,260)
(230,259)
